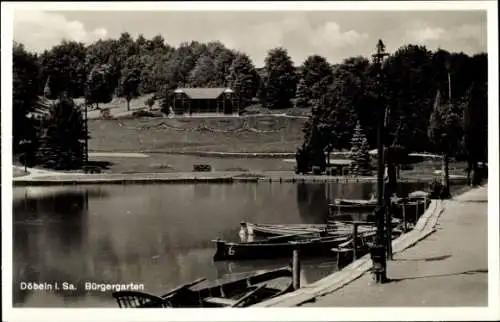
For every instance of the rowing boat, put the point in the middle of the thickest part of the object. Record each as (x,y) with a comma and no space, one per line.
(277,247)
(266,230)
(353,205)
(240,292)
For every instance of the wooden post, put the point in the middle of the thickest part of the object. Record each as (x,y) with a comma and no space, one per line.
(296,269)
(354,241)
(405,227)
(416,212)
(389,232)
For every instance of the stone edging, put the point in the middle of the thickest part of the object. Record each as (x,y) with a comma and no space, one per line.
(425,227)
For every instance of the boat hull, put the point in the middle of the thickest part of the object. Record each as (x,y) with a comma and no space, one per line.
(271,230)
(241,292)
(262,250)
(279,280)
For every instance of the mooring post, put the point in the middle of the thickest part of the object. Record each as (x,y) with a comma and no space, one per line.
(296,269)
(389,232)
(405,227)
(354,241)
(416,212)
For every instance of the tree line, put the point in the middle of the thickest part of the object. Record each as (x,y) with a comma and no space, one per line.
(338,95)
(434,102)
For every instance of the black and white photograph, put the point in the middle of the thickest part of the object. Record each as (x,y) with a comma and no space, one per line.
(276,155)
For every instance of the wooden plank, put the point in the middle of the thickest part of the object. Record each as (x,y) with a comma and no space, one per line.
(220,301)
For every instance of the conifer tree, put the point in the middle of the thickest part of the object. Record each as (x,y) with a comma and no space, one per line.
(62,137)
(360,154)
(302,95)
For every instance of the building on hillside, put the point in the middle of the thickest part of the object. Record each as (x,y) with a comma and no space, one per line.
(197,100)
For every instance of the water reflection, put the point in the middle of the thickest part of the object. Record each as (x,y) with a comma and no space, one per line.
(157,235)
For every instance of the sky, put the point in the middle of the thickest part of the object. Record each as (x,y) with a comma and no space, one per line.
(335,35)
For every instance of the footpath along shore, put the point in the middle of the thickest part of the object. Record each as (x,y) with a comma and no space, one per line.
(447,265)
(39,177)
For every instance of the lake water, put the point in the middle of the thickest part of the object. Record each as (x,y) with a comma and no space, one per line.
(155,235)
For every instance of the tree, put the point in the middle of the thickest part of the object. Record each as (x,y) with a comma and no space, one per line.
(47,91)
(445,132)
(409,86)
(317,74)
(302,97)
(280,79)
(360,155)
(129,84)
(243,79)
(62,136)
(25,102)
(202,73)
(475,128)
(98,87)
(330,124)
(222,63)
(65,64)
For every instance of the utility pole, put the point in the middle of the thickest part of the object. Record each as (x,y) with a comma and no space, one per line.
(378,251)
(448,68)
(86,133)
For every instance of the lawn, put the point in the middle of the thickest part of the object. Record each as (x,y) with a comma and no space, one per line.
(160,163)
(165,162)
(228,134)
(171,144)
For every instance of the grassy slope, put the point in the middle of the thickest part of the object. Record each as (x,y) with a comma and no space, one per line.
(184,135)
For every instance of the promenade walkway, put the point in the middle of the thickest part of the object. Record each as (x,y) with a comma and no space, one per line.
(42,177)
(448,268)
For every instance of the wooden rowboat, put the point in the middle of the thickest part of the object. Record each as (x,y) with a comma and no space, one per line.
(276,247)
(240,292)
(269,230)
(353,205)
(419,194)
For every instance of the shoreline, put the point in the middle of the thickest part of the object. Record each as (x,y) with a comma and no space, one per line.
(48,178)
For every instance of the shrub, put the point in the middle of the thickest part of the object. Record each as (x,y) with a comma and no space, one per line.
(406,167)
(150,102)
(316,170)
(202,167)
(105,113)
(143,113)
(302,159)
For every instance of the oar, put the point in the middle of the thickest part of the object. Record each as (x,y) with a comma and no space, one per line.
(182,287)
(246,296)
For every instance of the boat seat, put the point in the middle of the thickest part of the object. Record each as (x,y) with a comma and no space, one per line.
(219,301)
